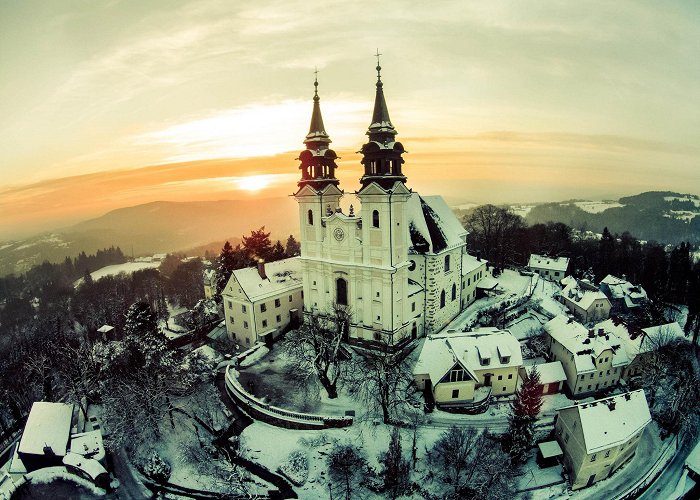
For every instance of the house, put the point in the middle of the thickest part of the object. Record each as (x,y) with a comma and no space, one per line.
(598,437)
(209,278)
(623,295)
(473,271)
(452,367)
(592,359)
(552,376)
(261,302)
(584,300)
(640,343)
(46,435)
(550,268)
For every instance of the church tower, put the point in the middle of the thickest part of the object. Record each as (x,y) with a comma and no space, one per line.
(318,194)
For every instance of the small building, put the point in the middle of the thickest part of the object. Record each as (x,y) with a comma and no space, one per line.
(550,268)
(552,376)
(261,302)
(592,359)
(473,271)
(623,295)
(106,332)
(598,437)
(584,300)
(209,279)
(451,367)
(548,454)
(46,435)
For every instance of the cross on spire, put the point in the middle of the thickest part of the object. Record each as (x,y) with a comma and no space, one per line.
(315,82)
(379,68)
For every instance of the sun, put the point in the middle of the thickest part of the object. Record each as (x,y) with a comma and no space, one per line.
(254,182)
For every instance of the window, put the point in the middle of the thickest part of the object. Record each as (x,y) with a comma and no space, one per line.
(592,374)
(279,318)
(454,291)
(455,393)
(247,341)
(510,376)
(245,325)
(310,217)
(290,298)
(244,309)
(412,265)
(447,263)
(442,299)
(457,375)
(593,457)
(230,319)
(277,302)
(375,218)
(264,323)
(589,387)
(377,336)
(229,304)
(341,291)
(413,306)
(500,377)
(608,373)
(263,308)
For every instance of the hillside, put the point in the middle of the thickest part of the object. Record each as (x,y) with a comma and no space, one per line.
(156,227)
(663,216)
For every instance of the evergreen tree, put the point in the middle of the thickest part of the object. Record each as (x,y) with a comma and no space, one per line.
(396,468)
(226,265)
(524,410)
(257,245)
(293,247)
(277,252)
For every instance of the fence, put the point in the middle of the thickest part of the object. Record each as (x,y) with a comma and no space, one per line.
(279,416)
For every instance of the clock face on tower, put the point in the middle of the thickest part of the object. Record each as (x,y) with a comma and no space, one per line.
(339,234)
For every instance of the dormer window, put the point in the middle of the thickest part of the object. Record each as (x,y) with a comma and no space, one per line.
(484,356)
(504,354)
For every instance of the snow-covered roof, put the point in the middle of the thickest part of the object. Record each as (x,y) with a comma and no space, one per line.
(621,289)
(582,293)
(471,263)
(433,227)
(90,466)
(88,444)
(586,345)
(549,372)
(551,263)
(487,283)
(105,329)
(550,449)
(49,426)
(441,352)
(638,341)
(282,275)
(612,421)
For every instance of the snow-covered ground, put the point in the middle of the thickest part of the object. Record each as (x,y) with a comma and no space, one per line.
(521,210)
(595,207)
(126,267)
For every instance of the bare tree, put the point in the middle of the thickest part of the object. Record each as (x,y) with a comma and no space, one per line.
(493,230)
(345,464)
(315,350)
(450,454)
(383,382)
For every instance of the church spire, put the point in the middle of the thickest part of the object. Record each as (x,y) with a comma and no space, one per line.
(317,131)
(381,156)
(381,128)
(317,160)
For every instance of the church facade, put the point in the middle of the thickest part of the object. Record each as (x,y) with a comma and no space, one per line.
(392,268)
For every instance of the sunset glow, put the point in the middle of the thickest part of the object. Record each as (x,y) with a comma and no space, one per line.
(255,182)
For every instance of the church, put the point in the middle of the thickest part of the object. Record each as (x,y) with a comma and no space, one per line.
(397,266)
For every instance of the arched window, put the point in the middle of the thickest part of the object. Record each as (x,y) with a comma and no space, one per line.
(442,299)
(454,291)
(310,216)
(375,218)
(447,263)
(341,291)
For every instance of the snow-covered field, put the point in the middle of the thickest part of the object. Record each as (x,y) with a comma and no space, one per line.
(690,198)
(521,210)
(126,267)
(595,207)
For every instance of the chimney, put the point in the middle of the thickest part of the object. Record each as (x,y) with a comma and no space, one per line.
(478,255)
(261,269)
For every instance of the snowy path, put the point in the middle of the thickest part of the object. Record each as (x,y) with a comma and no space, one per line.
(665,484)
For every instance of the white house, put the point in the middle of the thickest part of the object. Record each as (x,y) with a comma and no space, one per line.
(598,437)
(623,294)
(260,302)
(584,300)
(593,359)
(451,367)
(551,268)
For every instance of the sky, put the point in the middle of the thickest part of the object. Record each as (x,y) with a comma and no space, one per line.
(114,103)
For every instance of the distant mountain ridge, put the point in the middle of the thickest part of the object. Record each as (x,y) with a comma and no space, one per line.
(155,227)
(663,216)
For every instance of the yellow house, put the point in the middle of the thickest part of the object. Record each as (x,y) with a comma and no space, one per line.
(549,268)
(598,437)
(260,302)
(584,300)
(593,359)
(452,368)
(209,278)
